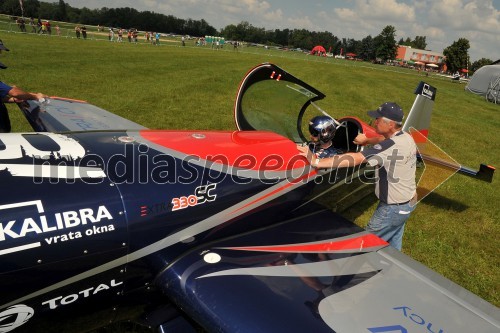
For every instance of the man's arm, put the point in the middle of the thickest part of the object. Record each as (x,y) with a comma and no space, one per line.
(362,140)
(21,95)
(339,161)
(336,161)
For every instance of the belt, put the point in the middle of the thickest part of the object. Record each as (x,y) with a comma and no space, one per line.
(396,203)
(405,202)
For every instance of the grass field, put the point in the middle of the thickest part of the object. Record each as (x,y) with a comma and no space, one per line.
(454,231)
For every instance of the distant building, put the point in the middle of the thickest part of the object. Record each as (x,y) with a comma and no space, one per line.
(410,55)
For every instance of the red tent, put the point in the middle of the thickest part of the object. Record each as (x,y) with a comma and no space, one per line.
(351,55)
(319,50)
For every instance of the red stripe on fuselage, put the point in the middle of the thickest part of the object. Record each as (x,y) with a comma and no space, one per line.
(251,150)
(357,243)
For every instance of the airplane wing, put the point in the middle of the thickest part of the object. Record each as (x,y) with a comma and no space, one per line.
(318,273)
(65,115)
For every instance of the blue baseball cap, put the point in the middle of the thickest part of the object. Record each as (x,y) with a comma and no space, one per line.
(388,110)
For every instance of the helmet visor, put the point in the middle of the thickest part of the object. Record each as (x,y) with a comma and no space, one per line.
(313,131)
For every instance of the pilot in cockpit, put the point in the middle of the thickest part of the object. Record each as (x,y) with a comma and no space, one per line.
(322,130)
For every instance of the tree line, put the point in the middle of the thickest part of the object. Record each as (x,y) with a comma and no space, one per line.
(108,17)
(380,48)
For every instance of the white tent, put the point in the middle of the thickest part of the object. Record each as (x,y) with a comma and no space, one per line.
(486,82)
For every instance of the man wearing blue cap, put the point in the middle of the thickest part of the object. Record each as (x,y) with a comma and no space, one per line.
(9,94)
(394,154)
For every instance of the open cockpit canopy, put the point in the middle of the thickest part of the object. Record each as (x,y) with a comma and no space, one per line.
(271,99)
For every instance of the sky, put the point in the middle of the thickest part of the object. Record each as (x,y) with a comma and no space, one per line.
(441,21)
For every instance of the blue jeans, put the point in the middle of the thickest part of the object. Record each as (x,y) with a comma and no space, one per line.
(388,222)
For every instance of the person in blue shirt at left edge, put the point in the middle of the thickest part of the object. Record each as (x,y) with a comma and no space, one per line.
(12,94)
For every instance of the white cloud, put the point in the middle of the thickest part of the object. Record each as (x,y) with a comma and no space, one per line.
(476,20)
(231,8)
(369,17)
(389,10)
(256,7)
(346,14)
(428,31)
(276,15)
(302,23)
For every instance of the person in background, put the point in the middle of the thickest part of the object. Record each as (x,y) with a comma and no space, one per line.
(83,29)
(120,35)
(111,34)
(39,25)
(12,94)
(33,25)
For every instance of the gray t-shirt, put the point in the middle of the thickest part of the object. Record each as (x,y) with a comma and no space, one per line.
(396,159)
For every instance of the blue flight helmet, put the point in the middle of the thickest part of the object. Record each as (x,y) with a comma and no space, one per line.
(322,127)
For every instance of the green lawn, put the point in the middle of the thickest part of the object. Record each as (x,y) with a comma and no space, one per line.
(453,231)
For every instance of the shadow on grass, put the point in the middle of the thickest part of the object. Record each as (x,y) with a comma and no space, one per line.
(354,211)
(366,200)
(436,200)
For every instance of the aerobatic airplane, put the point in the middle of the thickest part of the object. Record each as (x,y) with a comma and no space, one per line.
(103,220)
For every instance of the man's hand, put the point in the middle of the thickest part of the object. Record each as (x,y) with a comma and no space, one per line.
(16,100)
(21,102)
(40,96)
(9,99)
(361,139)
(23,95)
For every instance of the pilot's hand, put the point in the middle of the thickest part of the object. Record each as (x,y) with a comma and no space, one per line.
(360,139)
(305,151)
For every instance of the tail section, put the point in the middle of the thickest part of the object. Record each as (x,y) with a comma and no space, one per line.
(417,124)
(419,116)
